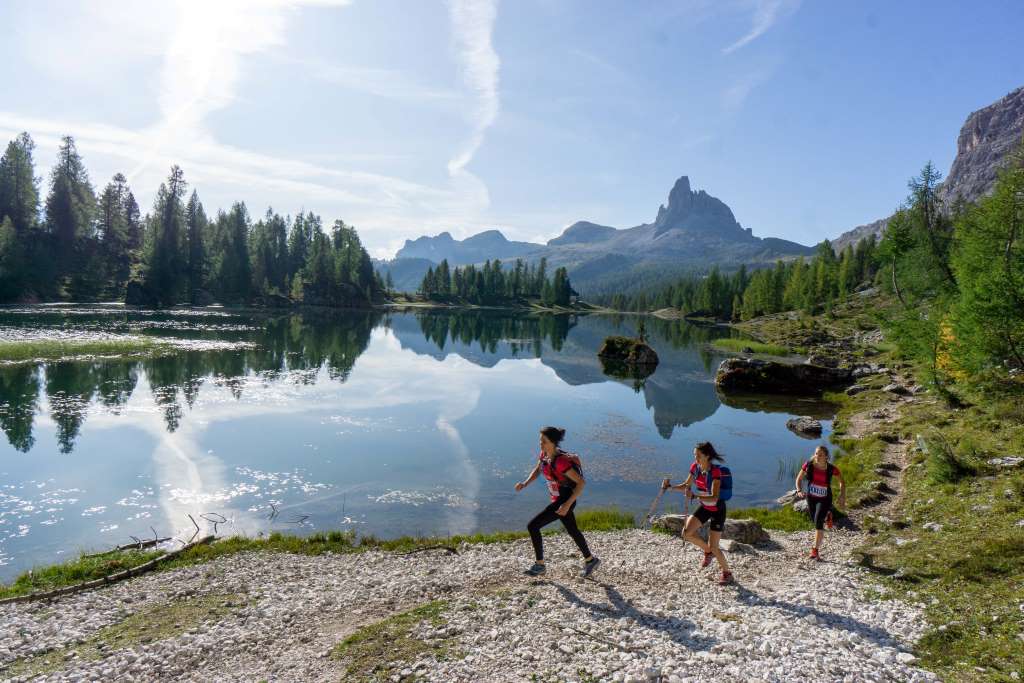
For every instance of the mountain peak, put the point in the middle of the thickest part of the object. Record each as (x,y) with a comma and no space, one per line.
(696,212)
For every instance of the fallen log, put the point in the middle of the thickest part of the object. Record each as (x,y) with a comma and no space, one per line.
(106,580)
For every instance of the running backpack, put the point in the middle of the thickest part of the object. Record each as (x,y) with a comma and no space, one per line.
(577,465)
(725,487)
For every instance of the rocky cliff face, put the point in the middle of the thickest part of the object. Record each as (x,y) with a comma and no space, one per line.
(697,212)
(987,137)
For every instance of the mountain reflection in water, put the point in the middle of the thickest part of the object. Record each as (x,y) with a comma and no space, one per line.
(384,422)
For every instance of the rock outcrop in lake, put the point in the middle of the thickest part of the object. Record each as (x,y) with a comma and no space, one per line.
(629,351)
(754,375)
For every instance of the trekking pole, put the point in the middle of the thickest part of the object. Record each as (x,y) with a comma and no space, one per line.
(654,508)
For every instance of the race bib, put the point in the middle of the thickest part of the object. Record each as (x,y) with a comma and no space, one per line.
(553,488)
(817,490)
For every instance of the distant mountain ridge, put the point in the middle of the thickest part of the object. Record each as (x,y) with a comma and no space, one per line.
(986,138)
(693,230)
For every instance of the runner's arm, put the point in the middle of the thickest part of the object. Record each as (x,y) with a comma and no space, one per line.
(575,477)
(799,478)
(715,486)
(685,486)
(533,475)
(842,488)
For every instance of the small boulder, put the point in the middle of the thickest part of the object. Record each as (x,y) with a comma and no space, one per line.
(807,427)
(745,531)
(1008,461)
(856,389)
(787,498)
(932,526)
(897,389)
(801,505)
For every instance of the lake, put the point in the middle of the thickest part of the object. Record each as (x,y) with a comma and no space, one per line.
(382,422)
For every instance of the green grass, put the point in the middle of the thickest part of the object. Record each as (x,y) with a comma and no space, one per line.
(783,518)
(88,568)
(374,652)
(152,624)
(737,346)
(45,349)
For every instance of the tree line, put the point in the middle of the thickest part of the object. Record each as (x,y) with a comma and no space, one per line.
(741,295)
(80,246)
(494,284)
(957,273)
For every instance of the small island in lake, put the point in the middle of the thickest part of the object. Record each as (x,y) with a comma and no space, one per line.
(630,351)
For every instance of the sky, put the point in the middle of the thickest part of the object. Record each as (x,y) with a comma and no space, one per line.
(411,117)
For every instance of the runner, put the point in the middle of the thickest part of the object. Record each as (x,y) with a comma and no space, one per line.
(819,473)
(708,477)
(565,484)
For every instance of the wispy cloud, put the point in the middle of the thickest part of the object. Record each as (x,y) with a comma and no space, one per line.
(472,26)
(386,83)
(202,63)
(766,13)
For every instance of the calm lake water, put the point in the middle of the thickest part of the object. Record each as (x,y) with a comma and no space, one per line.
(385,423)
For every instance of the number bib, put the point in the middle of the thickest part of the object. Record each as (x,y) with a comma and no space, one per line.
(817,490)
(553,488)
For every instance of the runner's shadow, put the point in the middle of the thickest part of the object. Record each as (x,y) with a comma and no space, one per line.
(827,619)
(679,630)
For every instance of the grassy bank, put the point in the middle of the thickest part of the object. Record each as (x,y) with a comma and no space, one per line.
(739,346)
(45,349)
(89,568)
(967,565)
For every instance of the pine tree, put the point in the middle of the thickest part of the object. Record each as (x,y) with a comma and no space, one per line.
(112,230)
(19,188)
(70,209)
(196,227)
(166,258)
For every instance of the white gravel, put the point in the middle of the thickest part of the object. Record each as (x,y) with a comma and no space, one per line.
(649,614)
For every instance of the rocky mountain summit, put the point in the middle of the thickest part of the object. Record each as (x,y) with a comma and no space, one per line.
(692,230)
(986,138)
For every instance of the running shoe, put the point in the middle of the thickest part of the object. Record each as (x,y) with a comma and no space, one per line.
(814,554)
(536,570)
(589,566)
(706,561)
(725,579)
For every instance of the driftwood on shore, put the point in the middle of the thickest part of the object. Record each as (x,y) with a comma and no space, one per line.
(109,579)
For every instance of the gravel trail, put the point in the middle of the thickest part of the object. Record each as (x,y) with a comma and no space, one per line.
(649,614)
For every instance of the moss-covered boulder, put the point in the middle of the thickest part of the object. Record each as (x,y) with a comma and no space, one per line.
(628,351)
(762,376)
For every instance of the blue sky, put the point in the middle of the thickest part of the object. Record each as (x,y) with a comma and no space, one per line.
(412,117)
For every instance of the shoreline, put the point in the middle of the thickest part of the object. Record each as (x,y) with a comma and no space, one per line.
(436,616)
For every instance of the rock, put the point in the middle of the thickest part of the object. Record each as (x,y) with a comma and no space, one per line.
(897,389)
(856,389)
(787,498)
(807,427)
(745,531)
(823,361)
(932,526)
(1008,461)
(627,350)
(801,505)
(755,375)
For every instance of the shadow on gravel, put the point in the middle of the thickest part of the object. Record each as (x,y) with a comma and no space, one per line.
(828,619)
(679,630)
